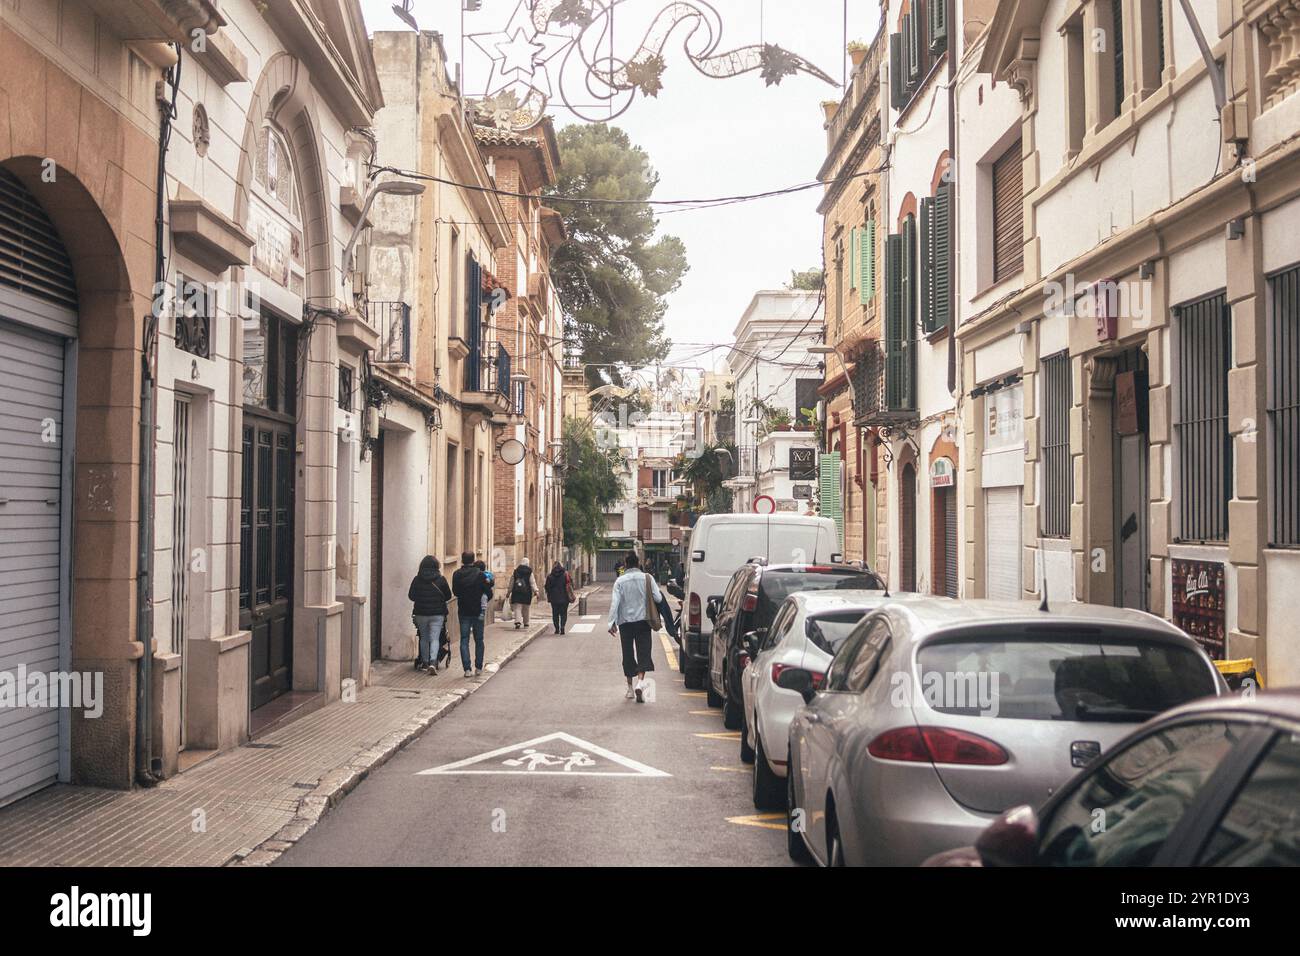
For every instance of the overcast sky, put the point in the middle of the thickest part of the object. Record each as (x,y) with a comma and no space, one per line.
(710,137)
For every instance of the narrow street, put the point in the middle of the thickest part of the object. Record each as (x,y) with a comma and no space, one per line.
(572,685)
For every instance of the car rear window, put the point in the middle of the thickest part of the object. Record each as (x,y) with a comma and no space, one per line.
(1059,677)
(828,631)
(779,583)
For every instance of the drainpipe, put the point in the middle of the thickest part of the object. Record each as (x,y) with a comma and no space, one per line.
(146,765)
(954,32)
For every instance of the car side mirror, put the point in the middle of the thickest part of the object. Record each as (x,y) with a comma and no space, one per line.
(751,641)
(675,590)
(798,680)
(711,609)
(1011,839)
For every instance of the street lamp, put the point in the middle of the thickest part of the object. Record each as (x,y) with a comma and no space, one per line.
(824,349)
(393,187)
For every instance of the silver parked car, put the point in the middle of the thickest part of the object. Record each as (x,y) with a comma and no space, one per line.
(937,715)
(806,631)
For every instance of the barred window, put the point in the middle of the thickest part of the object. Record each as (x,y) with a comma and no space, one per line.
(1204,447)
(1284,408)
(1058,473)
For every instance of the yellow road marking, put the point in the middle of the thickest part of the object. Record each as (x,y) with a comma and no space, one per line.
(725,735)
(692,693)
(764,820)
(670,650)
(710,713)
(732,769)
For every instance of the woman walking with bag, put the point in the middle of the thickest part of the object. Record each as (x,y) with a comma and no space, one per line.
(523,591)
(559,592)
(634,617)
(429,592)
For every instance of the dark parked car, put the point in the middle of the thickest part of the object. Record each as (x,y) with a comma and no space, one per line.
(749,604)
(1211,783)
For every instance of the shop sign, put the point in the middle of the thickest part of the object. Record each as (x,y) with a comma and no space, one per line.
(1200,604)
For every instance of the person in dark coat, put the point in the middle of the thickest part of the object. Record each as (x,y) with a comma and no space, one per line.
(559,592)
(471,586)
(429,593)
(523,592)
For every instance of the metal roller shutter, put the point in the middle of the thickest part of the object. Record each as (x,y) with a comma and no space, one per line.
(1002,542)
(31,466)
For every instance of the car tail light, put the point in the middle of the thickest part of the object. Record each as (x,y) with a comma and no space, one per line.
(749,603)
(817,676)
(743,659)
(936,745)
(693,613)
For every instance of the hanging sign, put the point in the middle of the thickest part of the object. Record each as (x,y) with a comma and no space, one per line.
(803,464)
(942,473)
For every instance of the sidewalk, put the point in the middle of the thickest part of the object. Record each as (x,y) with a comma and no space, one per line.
(249,805)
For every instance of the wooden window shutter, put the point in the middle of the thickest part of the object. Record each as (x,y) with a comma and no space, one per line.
(938,26)
(897,72)
(941,283)
(912,53)
(908,328)
(1008,214)
(867,286)
(898,320)
(928,264)
(853,257)
(829,500)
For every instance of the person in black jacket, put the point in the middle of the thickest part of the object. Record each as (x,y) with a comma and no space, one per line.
(559,592)
(429,592)
(523,592)
(471,586)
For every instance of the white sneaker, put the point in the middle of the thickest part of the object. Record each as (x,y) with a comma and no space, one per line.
(630,694)
(468,674)
(639,687)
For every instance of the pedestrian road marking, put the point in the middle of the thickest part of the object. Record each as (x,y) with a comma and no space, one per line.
(768,821)
(670,650)
(530,759)
(724,735)
(732,769)
(581,628)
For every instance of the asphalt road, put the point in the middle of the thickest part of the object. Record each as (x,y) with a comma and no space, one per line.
(678,798)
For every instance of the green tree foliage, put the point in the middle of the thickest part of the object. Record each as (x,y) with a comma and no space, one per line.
(708,470)
(810,280)
(719,502)
(613,276)
(591,484)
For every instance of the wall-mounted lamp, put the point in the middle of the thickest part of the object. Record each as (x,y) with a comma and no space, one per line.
(1236,228)
(394,187)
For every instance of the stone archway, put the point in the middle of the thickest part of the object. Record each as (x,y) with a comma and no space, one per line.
(91,171)
(284,99)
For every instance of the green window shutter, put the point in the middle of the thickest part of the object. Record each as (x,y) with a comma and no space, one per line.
(829,500)
(911,54)
(893,319)
(927,264)
(942,284)
(853,257)
(907,370)
(867,285)
(897,72)
(938,26)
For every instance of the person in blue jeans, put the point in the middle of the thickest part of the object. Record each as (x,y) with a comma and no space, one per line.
(470,584)
(429,594)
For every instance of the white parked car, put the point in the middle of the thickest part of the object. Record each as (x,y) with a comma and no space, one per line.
(806,632)
(722,543)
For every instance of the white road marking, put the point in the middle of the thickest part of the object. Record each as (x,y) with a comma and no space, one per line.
(591,617)
(581,628)
(540,763)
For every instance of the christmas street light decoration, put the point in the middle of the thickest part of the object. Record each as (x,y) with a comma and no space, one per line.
(551,48)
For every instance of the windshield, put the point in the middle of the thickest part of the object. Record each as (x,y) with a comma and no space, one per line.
(1110,678)
(828,631)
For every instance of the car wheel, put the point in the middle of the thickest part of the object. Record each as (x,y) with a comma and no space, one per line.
(746,751)
(794,844)
(732,715)
(693,679)
(834,845)
(715,699)
(769,789)
(681,657)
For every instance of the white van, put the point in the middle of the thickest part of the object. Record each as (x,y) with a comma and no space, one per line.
(720,544)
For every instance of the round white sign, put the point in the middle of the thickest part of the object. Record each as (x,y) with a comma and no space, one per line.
(511,451)
(764,505)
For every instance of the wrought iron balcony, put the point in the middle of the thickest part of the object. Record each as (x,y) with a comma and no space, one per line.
(392,320)
(487,378)
(884,386)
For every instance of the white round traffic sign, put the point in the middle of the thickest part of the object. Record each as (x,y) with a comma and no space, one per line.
(764,505)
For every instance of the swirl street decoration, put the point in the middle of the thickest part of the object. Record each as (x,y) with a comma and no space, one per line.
(563,49)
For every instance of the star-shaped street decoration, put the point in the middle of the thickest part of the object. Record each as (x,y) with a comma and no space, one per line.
(520,53)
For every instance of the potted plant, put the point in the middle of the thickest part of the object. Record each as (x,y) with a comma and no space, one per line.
(858,52)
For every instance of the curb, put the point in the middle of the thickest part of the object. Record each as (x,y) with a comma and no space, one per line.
(338,783)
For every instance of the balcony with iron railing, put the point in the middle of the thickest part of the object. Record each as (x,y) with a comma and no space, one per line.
(487,378)
(392,320)
(884,385)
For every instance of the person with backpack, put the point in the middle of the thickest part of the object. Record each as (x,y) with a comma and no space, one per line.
(559,592)
(523,592)
(633,618)
(471,586)
(429,593)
